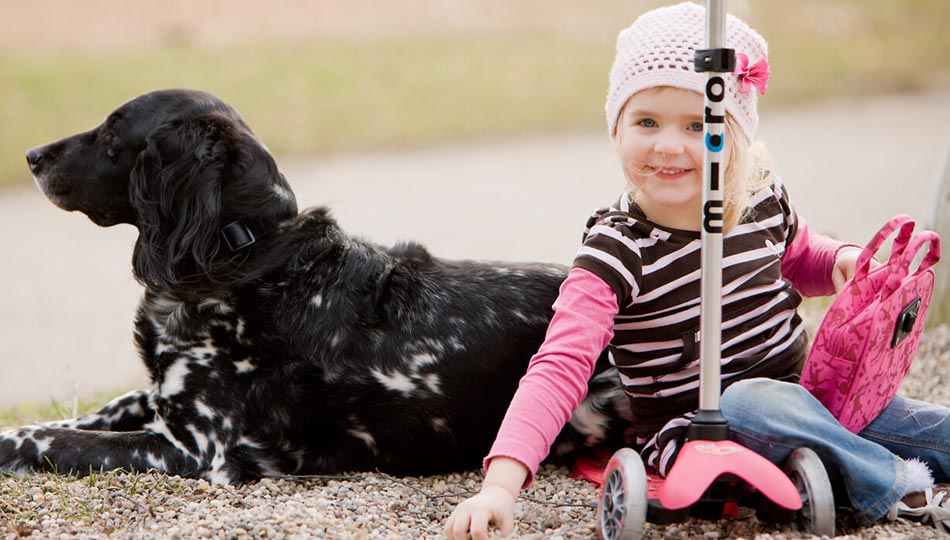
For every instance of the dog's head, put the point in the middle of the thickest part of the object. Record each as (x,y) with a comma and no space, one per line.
(184,168)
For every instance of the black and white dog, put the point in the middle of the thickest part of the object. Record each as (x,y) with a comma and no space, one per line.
(276,343)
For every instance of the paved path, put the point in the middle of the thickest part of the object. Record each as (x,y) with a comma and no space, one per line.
(68,296)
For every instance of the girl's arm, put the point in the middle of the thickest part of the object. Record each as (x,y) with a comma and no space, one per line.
(547,395)
(557,376)
(816,264)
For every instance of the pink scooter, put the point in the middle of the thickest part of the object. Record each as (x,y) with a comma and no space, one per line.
(711,472)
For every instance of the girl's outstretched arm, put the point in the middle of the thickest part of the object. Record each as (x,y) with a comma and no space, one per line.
(554,384)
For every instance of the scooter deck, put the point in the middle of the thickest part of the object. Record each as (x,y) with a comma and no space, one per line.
(711,476)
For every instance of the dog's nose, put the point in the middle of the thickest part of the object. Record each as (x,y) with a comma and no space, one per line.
(33,158)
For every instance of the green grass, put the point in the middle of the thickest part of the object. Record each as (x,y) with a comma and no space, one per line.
(319,97)
(31,413)
(850,47)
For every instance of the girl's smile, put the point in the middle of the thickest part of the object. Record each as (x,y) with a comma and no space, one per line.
(671,174)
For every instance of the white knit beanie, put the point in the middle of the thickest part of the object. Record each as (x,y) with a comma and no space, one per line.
(657,50)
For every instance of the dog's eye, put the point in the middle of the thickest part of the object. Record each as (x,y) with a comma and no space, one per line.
(111,153)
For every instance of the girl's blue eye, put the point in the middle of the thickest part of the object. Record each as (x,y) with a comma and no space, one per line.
(647,123)
(696,126)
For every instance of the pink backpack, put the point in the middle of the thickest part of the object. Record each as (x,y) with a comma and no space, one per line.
(868,338)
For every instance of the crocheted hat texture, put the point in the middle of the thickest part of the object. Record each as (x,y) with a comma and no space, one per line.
(657,50)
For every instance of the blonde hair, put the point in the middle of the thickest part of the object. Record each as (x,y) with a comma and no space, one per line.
(749,170)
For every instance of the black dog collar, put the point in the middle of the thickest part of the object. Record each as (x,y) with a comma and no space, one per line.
(237,236)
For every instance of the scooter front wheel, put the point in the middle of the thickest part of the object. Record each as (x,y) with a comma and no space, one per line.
(622,508)
(807,472)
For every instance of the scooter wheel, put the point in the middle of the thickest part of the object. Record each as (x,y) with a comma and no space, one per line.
(622,508)
(806,471)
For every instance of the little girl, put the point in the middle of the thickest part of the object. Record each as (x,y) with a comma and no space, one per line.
(634,287)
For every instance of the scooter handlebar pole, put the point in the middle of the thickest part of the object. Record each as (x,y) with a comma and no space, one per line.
(715,60)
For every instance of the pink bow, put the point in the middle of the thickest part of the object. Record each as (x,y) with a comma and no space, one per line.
(756,75)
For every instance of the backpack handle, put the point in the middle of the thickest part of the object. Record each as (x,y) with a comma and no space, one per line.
(900,267)
(906,225)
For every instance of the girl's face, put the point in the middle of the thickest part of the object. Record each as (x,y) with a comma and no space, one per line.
(660,143)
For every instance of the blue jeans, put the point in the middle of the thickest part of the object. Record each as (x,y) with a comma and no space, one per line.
(774,418)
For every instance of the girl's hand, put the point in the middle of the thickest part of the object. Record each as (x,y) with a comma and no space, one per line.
(845,261)
(494,504)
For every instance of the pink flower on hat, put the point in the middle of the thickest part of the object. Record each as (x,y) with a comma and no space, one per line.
(756,75)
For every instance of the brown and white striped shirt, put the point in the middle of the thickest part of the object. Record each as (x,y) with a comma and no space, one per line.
(655,273)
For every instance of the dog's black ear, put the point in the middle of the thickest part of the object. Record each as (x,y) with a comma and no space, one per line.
(194,177)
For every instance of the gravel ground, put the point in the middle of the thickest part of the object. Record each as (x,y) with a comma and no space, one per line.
(367,505)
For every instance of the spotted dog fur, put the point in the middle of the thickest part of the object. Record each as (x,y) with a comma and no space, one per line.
(305,352)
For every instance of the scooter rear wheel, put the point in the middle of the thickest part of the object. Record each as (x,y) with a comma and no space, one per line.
(622,508)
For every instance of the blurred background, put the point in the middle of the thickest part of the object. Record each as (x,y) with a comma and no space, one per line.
(326,76)
(474,126)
